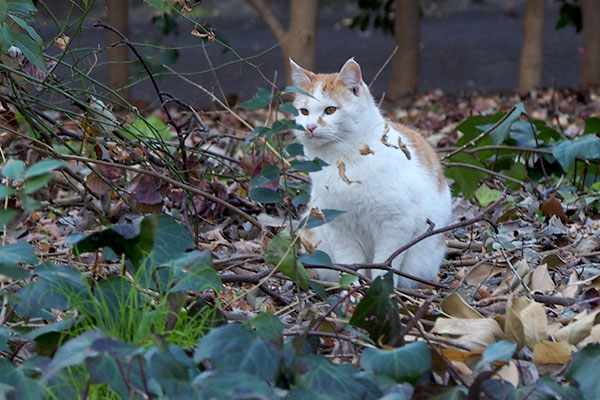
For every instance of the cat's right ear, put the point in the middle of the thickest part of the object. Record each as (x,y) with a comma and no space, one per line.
(300,76)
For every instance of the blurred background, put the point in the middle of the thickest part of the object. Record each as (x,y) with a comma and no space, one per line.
(453,46)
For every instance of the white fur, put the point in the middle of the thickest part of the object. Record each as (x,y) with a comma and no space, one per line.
(394,199)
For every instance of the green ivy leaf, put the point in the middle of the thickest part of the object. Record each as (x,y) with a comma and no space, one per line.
(22,386)
(466,179)
(592,125)
(486,196)
(377,313)
(261,99)
(499,351)
(240,348)
(580,371)
(3,10)
(318,257)
(586,147)
(265,195)
(404,364)
(232,385)
(346,280)
(13,169)
(13,254)
(281,251)
(317,378)
(502,131)
(195,271)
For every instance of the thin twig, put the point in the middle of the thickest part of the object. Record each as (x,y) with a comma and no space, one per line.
(383,66)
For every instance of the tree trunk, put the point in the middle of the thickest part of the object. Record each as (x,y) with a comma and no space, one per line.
(299,40)
(590,10)
(118,57)
(405,73)
(530,66)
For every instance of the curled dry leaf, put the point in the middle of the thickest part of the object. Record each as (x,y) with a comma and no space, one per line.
(318,214)
(512,283)
(513,324)
(456,307)
(474,334)
(578,329)
(62,42)
(365,150)
(403,147)
(547,352)
(541,281)
(342,171)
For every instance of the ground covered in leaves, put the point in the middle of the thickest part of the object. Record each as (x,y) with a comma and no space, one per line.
(208,294)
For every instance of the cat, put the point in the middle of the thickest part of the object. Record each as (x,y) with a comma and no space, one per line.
(385,177)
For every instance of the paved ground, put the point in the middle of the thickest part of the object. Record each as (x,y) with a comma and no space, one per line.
(475,47)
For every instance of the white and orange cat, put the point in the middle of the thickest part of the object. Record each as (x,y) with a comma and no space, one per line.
(385,176)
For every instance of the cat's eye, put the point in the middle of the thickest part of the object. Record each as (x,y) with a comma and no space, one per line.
(330,110)
(304,111)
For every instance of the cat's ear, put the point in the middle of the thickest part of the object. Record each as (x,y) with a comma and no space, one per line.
(350,76)
(300,76)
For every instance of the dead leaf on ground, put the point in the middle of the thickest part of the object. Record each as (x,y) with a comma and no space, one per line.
(473,334)
(342,171)
(456,307)
(547,352)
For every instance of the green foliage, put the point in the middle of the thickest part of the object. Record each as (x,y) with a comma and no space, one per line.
(377,313)
(570,14)
(405,364)
(379,13)
(282,252)
(21,12)
(508,139)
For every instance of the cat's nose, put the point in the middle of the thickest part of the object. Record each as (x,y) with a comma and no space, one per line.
(311,127)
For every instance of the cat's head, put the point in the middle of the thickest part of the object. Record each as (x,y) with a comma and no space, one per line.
(336,106)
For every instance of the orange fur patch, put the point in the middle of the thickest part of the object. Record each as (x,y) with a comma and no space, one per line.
(329,86)
(425,153)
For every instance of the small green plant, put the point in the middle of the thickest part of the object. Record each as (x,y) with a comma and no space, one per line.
(22,182)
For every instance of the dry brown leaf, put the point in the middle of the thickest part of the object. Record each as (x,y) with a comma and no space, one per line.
(365,150)
(511,283)
(482,273)
(62,42)
(318,214)
(513,325)
(474,334)
(342,171)
(456,307)
(403,147)
(578,329)
(460,355)
(592,338)
(572,287)
(553,206)
(535,327)
(510,373)
(541,280)
(547,352)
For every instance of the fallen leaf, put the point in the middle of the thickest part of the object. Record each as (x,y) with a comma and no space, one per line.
(474,334)
(578,329)
(456,307)
(342,171)
(535,327)
(365,150)
(553,206)
(510,373)
(541,281)
(547,352)
(513,325)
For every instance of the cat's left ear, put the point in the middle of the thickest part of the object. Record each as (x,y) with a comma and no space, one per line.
(350,76)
